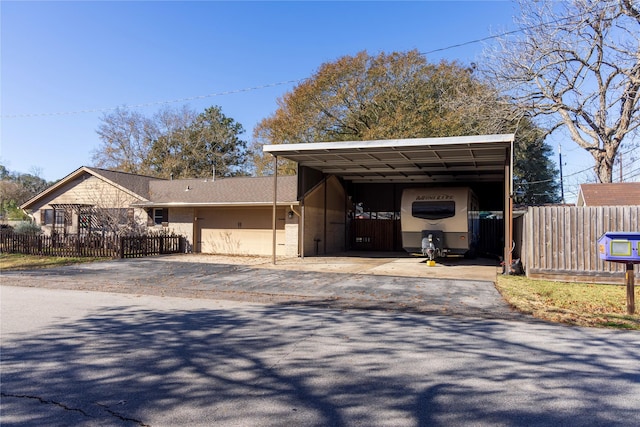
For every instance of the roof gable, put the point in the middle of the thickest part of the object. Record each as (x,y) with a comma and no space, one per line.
(609,194)
(135,185)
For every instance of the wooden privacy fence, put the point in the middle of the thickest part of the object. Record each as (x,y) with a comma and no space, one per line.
(91,245)
(560,242)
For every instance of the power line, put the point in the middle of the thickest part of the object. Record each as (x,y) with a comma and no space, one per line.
(250,89)
(150,104)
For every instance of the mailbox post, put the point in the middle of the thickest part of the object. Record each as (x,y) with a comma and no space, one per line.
(622,247)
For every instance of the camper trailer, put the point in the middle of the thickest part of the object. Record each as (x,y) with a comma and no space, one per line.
(438,221)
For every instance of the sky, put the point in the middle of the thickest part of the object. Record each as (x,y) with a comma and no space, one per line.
(64,65)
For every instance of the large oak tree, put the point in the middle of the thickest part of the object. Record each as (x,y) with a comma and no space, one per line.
(399,95)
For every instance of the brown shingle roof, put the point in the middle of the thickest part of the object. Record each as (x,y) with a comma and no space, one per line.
(222,191)
(614,194)
(138,184)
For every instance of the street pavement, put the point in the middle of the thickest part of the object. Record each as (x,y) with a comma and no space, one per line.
(74,356)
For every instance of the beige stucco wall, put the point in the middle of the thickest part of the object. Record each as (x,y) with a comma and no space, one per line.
(245,231)
(181,222)
(325,225)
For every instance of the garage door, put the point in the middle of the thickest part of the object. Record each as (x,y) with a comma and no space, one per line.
(239,231)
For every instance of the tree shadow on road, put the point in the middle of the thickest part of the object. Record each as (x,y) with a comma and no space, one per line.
(273,365)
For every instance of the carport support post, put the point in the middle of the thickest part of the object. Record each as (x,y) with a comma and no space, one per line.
(508,211)
(629,277)
(275,199)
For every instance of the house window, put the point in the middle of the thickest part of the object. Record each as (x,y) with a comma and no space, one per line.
(159,216)
(60,214)
(433,209)
(47,217)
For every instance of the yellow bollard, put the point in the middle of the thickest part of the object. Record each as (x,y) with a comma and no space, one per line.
(431,263)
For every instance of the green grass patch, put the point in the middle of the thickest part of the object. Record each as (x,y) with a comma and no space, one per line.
(28,262)
(583,304)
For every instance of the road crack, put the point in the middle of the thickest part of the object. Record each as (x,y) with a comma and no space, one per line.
(46,401)
(120,416)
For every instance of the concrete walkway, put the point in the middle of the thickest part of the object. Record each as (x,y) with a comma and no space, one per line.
(396,284)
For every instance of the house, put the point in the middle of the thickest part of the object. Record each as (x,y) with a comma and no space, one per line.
(346,196)
(225,215)
(610,194)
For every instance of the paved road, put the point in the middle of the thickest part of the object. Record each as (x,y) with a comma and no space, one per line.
(85,358)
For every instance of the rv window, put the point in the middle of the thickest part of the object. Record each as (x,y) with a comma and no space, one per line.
(434,209)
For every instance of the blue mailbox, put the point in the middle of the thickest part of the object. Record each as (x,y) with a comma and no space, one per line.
(624,247)
(620,246)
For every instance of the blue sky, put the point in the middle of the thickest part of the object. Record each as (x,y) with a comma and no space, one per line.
(66,64)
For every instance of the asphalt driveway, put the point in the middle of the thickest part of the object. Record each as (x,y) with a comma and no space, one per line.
(401,284)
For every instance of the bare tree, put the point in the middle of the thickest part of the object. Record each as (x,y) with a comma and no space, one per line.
(126,139)
(577,64)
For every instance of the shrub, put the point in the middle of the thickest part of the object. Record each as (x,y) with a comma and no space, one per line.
(26,227)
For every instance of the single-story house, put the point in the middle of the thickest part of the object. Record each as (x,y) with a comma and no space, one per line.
(609,194)
(345,196)
(221,215)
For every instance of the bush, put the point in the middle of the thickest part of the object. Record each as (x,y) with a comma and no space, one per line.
(26,227)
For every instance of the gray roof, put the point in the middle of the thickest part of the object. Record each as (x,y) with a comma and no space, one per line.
(222,191)
(138,184)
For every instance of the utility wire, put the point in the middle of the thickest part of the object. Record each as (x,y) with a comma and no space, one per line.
(150,104)
(254,88)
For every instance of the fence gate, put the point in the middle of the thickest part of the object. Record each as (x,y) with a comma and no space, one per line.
(376,235)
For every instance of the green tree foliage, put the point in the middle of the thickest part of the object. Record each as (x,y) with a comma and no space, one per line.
(179,143)
(207,144)
(15,189)
(534,172)
(389,96)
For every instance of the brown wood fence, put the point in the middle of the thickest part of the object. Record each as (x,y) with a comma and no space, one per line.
(560,242)
(90,245)
(376,235)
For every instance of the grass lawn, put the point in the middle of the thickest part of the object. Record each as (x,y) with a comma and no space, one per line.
(583,304)
(28,262)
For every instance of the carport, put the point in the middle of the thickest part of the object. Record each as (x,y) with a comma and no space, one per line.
(483,161)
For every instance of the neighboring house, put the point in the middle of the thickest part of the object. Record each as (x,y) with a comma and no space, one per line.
(612,194)
(225,215)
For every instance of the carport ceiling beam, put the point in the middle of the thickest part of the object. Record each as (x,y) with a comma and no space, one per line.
(352,170)
(423,178)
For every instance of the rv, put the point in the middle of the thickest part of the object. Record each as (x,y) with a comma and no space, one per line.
(438,221)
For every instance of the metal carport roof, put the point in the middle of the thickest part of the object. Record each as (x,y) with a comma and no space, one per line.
(427,160)
(448,159)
